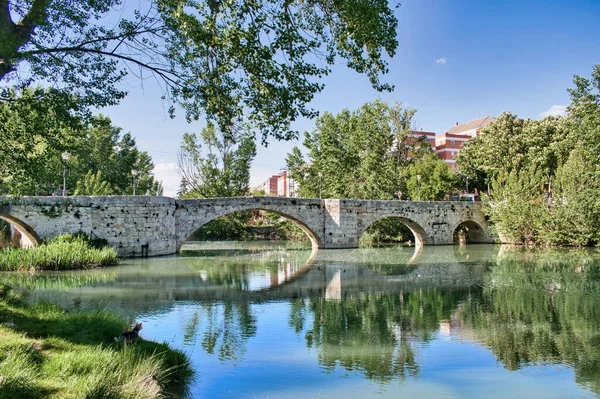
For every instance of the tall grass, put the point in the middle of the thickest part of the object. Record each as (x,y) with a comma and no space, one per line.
(47,352)
(65,252)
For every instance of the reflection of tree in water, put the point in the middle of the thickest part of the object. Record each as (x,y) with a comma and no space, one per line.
(373,333)
(539,308)
(228,326)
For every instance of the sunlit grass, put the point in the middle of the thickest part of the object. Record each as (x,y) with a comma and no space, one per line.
(47,352)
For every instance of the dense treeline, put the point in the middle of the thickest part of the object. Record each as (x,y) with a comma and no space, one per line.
(369,154)
(544,175)
(38,125)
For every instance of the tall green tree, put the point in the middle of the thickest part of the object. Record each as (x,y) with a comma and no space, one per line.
(545,174)
(262,59)
(436,179)
(104,148)
(359,154)
(217,164)
(512,144)
(38,125)
(92,184)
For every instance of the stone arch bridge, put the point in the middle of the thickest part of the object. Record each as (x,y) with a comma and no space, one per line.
(160,225)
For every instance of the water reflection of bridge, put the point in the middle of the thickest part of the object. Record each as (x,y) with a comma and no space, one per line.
(333,274)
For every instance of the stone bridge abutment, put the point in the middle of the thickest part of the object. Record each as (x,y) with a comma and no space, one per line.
(163,224)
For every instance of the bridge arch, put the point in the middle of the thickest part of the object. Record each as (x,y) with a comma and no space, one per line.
(421,236)
(469,232)
(26,231)
(190,220)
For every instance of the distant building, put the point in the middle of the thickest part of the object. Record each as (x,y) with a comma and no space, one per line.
(472,128)
(270,186)
(281,185)
(286,186)
(448,144)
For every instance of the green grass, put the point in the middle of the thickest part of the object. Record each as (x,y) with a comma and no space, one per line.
(47,352)
(65,252)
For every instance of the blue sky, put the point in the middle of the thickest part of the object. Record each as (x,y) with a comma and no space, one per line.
(457,60)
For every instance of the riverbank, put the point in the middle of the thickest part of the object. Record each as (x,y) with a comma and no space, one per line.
(47,352)
(65,252)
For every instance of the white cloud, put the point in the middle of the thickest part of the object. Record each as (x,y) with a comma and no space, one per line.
(441,61)
(555,110)
(168,173)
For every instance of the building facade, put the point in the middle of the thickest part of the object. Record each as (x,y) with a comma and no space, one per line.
(281,185)
(448,145)
(270,186)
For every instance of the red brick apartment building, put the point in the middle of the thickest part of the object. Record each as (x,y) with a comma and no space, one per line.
(448,144)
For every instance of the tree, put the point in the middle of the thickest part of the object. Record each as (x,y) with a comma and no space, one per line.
(104,149)
(512,144)
(35,128)
(222,169)
(545,174)
(436,182)
(92,184)
(358,154)
(38,125)
(261,59)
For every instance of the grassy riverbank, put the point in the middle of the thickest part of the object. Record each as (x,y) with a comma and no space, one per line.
(65,252)
(47,352)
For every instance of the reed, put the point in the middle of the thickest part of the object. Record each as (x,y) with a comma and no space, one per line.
(65,252)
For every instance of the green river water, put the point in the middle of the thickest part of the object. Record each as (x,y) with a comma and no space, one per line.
(270,320)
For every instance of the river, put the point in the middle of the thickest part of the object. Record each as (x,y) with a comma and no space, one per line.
(268,320)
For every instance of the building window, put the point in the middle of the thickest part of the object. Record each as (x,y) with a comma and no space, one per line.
(451,142)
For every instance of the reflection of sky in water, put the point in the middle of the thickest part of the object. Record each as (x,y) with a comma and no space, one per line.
(441,322)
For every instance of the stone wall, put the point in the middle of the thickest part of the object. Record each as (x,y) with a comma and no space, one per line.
(162,225)
(126,222)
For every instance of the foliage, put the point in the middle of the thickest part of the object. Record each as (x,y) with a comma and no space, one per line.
(222,170)
(47,352)
(5,235)
(517,206)
(251,225)
(545,174)
(105,149)
(92,185)
(386,230)
(574,218)
(261,59)
(65,252)
(228,227)
(38,125)
(514,144)
(437,181)
(359,154)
